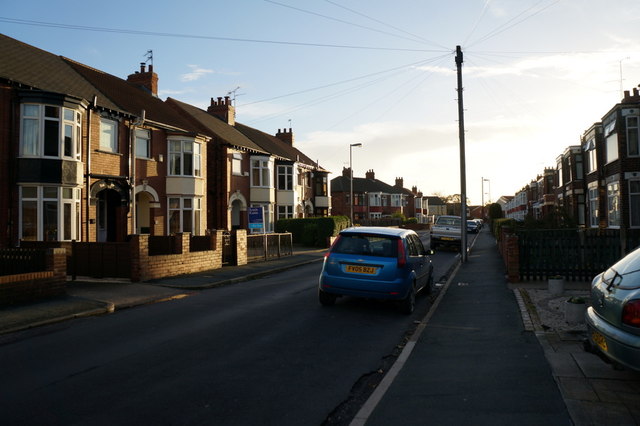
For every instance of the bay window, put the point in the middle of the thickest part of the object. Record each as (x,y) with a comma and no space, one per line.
(49,213)
(634,203)
(633,136)
(185,158)
(260,172)
(285,212)
(594,220)
(285,178)
(50,131)
(613,204)
(184,215)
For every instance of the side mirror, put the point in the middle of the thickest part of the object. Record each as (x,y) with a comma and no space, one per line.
(430,252)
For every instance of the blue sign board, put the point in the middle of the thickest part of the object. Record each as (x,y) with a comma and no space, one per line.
(256,218)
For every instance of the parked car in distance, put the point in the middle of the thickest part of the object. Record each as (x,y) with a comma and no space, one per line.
(377,263)
(446,231)
(613,319)
(472,226)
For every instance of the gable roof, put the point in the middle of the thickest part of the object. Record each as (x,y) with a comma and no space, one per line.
(132,98)
(213,126)
(40,70)
(37,69)
(275,146)
(435,201)
(343,184)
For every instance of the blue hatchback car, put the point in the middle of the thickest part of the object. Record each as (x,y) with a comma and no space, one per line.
(378,263)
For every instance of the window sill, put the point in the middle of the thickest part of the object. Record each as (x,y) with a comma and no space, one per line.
(108,152)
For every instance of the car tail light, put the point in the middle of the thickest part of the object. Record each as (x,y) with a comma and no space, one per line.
(631,313)
(402,260)
(332,246)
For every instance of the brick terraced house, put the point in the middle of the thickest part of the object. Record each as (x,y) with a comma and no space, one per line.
(88,156)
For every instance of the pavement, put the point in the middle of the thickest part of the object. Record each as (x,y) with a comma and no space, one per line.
(488,352)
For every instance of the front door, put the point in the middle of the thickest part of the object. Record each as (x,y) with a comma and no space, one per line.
(108,203)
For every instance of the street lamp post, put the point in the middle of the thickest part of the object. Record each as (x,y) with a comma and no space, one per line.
(483,181)
(351,179)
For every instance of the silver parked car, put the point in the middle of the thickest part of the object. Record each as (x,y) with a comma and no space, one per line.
(614,316)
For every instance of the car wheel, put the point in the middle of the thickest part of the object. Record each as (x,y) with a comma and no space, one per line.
(408,304)
(326,299)
(428,289)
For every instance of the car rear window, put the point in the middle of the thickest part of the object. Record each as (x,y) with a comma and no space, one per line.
(367,245)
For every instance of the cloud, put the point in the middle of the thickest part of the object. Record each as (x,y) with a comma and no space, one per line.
(195,74)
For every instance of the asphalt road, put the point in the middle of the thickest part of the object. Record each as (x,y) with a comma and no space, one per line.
(261,352)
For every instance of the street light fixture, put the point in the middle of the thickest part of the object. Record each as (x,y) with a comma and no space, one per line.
(351,178)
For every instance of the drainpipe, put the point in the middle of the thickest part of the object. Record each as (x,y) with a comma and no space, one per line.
(132,167)
(92,107)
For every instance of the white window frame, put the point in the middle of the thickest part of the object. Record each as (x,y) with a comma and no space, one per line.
(143,143)
(180,151)
(613,205)
(594,220)
(236,164)
(68,135)
(285,212)
(634,208)
(633,135)
(611,142)
(285,177)
(67,220)
(108,135)
(187,209)
(261,171)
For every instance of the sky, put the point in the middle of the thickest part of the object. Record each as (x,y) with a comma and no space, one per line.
(536,74)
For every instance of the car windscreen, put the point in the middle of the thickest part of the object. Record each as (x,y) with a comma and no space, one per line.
(449,221)
(366,245)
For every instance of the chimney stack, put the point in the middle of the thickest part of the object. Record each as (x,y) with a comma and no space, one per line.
(370,174)
(399,182)
(346,172)
(285,136)
(223,110)
(146,79)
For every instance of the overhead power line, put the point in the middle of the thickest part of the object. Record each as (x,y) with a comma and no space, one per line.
(202,37)
(387,24)
(324,86)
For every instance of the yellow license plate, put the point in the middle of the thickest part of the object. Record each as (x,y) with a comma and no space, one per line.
(357,269)
(447,239)
(599,340)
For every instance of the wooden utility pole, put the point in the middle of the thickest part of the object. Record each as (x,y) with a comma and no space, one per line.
(463,174)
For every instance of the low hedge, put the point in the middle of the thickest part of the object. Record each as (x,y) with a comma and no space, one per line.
(313,231)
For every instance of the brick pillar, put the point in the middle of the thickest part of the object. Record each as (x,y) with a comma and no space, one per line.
(241,246)
(185,246)
(139,248)
(512,257)
(57,262)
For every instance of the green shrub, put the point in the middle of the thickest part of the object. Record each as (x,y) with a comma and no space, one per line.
(313,231)
(499,223)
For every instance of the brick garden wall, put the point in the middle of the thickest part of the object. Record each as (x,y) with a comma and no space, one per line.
(21,288)
(145,267)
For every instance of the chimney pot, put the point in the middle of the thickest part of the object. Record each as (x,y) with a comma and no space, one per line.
(142,65)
